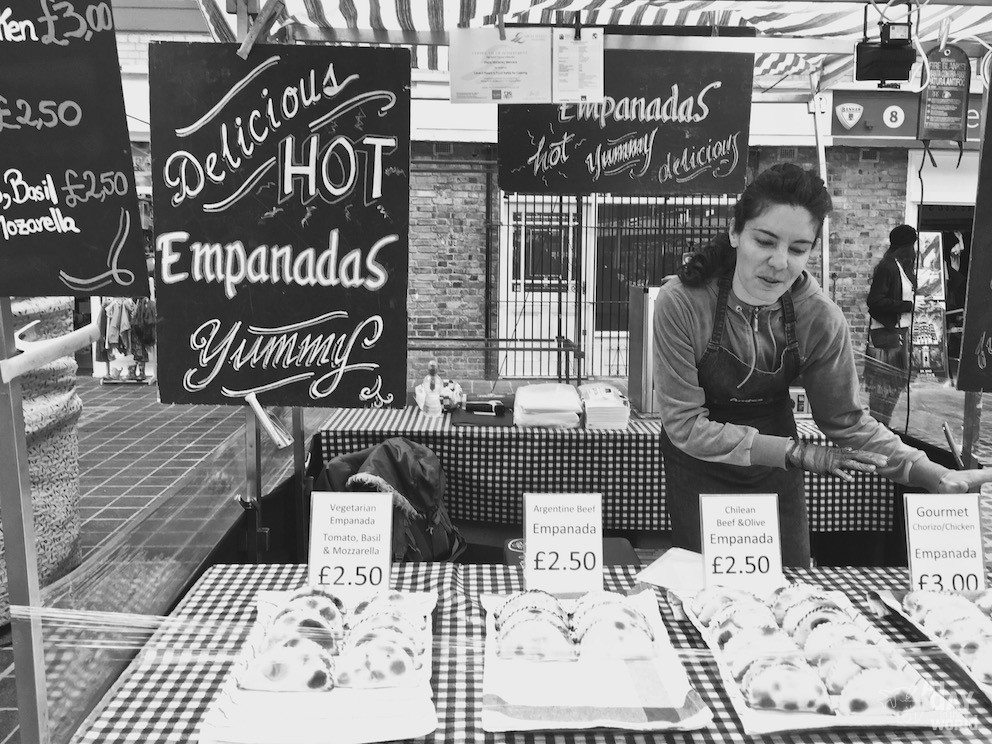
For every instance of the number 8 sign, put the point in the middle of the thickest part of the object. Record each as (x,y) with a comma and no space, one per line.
(893,117)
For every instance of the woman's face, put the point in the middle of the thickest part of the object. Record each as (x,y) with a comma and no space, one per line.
(772,251)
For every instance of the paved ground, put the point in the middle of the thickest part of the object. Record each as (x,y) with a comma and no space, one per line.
(132,449)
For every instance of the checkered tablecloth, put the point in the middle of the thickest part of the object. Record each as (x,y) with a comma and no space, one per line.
(163,695)
(488,469)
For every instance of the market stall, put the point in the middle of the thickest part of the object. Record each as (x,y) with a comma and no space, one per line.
(282,196)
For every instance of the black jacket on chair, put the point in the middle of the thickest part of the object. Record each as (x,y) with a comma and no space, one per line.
(885,300)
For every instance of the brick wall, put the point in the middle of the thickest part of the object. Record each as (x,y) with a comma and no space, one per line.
(132,47)
(447,294)
(869,200)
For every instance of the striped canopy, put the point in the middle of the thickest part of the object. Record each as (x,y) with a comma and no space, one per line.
(787,18)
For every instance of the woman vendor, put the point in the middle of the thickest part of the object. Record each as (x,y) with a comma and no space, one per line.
(740,323)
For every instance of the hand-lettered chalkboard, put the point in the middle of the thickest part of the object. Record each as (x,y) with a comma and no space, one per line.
(69,219)
(671,123)
(975,369)
(281,195)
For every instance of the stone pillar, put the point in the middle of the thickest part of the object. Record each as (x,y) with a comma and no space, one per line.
(51,416)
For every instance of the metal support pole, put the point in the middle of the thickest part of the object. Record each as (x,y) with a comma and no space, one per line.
(303,486)
(972,428)
(20,551)
(253,482)
(817,107)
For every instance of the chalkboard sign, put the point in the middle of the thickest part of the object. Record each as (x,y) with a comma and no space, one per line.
(975,369)
(671,123)
(944,102)
(281,195)
(69,220)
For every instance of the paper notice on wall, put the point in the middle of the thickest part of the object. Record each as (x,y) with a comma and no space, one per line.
(578,66)
(487,69)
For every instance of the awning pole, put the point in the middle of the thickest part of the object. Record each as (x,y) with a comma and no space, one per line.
(817,106)
(20,548)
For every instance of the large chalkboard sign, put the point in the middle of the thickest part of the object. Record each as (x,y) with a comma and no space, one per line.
(671,123)
(69,219)
(975,368)
(281,195)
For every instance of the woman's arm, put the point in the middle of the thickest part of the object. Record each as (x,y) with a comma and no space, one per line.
(833,388)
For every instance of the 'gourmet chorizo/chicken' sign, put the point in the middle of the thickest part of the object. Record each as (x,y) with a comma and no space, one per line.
(281,203)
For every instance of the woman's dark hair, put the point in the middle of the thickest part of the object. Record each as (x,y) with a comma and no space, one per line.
(782,184)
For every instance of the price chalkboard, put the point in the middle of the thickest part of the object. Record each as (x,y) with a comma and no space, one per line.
(69,219)
(670,123)
(281,195)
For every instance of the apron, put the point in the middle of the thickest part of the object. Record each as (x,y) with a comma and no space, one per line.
(762,402)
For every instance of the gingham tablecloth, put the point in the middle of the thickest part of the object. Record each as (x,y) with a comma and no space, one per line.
(168,688)
(488,469)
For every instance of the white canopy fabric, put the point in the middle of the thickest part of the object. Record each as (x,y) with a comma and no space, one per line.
(785,18)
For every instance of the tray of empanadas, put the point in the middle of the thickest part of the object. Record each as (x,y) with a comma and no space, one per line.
(802,657)
(599,660)
(317,669)
(959,624)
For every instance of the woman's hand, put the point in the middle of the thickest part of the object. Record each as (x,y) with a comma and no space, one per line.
(964,481)
(819,458)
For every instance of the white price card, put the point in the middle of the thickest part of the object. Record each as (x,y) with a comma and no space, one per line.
(577,65)
(944,542)
(563,542)
(350,542)
(742,546)
(486,69)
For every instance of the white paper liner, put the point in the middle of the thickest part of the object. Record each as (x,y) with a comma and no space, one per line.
(893,600)
(942,713)
(338,716)
(641,695)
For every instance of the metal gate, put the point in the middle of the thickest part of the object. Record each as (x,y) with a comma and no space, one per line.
(565,267)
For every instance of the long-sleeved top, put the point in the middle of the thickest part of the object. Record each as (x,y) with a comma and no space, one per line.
(683,324)
(886,299)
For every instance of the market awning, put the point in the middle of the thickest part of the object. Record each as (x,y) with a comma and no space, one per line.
(423,21)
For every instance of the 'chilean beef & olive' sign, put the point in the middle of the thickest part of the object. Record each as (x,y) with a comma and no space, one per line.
(69,219)
(670,123)
(281,190)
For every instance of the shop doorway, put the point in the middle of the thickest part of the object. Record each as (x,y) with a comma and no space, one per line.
(954,223)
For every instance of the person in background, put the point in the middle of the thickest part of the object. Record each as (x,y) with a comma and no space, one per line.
(890,305)
(743,321)
(952,244)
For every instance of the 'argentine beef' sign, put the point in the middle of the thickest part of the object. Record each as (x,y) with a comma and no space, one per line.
(670,123)
(69,219)
(281,223)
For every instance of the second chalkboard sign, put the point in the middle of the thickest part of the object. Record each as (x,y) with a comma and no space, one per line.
(281,189)
(69,220)
(671,123)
